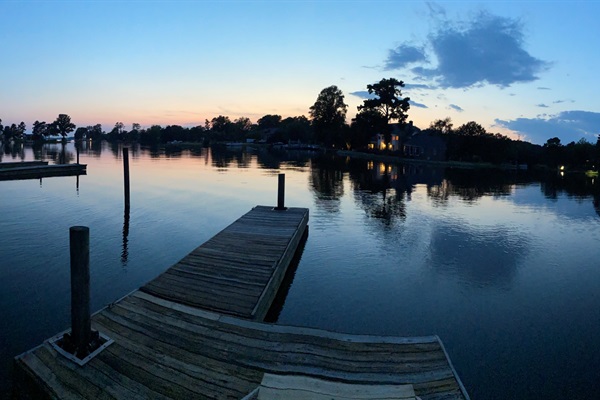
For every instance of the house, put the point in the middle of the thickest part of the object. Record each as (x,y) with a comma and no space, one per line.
(399,134)
(425,145)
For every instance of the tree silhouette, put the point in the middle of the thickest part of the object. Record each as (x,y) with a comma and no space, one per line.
(329,115)
(64,125)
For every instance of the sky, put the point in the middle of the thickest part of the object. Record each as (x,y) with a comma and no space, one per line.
(526,69)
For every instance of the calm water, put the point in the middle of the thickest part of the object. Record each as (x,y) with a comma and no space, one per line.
(504,268)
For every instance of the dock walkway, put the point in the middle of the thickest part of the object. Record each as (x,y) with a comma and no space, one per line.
(203,339)
(238,271)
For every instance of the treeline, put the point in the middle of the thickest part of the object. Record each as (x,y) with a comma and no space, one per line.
(470,142)
(383,114)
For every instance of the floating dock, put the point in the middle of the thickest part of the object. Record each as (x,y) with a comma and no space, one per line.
(195,332)
(40,171)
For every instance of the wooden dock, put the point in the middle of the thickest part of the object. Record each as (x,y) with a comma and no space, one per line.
(195,332)
(41,171)
(19,164)
(239,270)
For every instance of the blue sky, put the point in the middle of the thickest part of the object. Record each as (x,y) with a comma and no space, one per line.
(527,69)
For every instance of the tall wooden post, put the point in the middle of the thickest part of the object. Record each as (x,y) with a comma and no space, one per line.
(79,241)
(126,176)
(281,193)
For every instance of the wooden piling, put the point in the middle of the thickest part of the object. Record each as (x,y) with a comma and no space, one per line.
(126,176)
(79,240)
(281,192)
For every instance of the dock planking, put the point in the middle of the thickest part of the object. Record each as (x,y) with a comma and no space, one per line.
(239,270)
(196,331)
(168,350)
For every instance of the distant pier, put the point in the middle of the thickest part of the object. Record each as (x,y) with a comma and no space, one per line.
(196,331)
(37,170)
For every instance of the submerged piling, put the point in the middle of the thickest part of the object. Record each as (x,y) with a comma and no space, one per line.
(79,241)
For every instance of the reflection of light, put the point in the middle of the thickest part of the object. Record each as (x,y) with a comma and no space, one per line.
(562,173)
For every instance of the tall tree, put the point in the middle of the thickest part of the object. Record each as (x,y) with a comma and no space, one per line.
(388,102)
(64,125)
(21,128)
(39,130)
(329,115)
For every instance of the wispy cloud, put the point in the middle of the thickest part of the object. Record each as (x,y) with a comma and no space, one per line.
(567,125)
(563,101)
(415,104)
(543,88)
(456,108)
(542,105)
(486,49)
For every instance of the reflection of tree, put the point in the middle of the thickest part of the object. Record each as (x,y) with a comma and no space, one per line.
(59,155)
(381,190)
(470,185)
(327,182)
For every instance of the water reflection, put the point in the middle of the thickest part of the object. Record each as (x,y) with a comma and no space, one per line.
(382,189)
(125,247)
(326,181)
(478,256)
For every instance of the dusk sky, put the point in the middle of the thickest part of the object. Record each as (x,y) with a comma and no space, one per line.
(527,69)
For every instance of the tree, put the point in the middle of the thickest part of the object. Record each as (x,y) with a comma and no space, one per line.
(21,128)
(269,121)
(388,102)
(81,133)
(39,130)
(443,126)
(471,128)
(329,115)
(94,132)
(366,122)
(64,125)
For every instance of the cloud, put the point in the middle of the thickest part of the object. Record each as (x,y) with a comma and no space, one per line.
(487,49)
(563,101)
(403,55)
(363,94)
(415,104)
(542,105)
(543,88)
(417,86)
(456,108)
(567,125)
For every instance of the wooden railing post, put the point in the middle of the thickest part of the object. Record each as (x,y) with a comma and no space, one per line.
(79,241)
(281,193)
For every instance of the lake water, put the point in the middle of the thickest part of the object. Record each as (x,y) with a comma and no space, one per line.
(505,268)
